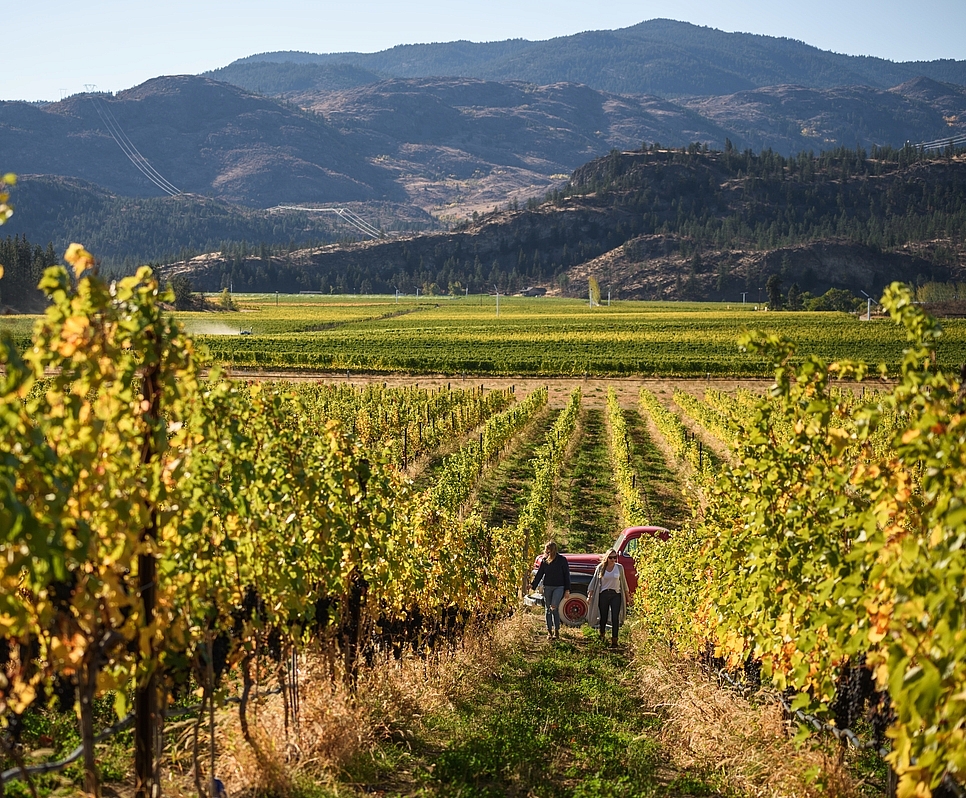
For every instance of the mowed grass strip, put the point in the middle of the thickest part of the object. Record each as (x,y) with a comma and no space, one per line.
(585,517)
(556,720)
(658,483)
(504,488)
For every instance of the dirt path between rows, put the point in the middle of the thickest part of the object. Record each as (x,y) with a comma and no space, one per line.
(594,389)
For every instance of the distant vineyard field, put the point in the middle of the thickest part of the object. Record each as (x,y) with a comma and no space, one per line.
(530,336)
(543,337)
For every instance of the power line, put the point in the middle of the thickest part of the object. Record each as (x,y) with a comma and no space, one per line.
(128,148)
(941,144)
(131,151)
(349,216)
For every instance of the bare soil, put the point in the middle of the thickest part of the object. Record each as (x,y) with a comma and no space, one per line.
(594,389)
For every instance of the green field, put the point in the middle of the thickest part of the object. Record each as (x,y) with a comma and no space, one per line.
(542,336)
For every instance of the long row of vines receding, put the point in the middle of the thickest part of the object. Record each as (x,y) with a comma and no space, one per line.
(165,534)
(161,531)
(832,553)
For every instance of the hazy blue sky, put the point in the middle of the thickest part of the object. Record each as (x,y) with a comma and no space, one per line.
(51,48)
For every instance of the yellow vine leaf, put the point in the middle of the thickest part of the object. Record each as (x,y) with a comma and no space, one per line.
(910,435)
(79,258)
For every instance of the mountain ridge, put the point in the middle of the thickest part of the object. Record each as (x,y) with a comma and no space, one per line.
(663,57)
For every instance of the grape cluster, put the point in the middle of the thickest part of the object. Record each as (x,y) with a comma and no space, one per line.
(854,689)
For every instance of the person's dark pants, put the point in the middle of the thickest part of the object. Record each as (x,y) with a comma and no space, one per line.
(610,601)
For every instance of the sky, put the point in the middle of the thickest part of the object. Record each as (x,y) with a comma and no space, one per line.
(50,49)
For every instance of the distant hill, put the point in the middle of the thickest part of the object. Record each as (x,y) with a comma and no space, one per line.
(203,136)
(659,57)
(410,133)
(662,224)
(794,118)
(446,146)
(125,232)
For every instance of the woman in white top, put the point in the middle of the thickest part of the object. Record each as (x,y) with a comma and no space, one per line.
(610,586)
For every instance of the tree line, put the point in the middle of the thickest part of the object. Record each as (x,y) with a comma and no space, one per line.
(23,266)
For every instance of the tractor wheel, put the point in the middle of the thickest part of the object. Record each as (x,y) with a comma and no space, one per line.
(573,610)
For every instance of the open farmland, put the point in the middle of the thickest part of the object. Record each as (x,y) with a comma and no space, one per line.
(540,337)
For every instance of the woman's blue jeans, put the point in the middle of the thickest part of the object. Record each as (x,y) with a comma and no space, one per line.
(552,596)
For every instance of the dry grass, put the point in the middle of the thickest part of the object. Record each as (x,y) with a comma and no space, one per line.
(716,732)
(339,730)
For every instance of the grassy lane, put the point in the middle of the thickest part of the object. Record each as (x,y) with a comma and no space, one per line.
(586,515)
(425,471)
(505,488)
(661,486)
(552,720)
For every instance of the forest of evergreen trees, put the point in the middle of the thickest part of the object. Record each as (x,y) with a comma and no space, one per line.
(23,266)
(126,232)
(722,200)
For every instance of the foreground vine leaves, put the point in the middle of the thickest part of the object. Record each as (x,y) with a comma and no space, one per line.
(825,545)
(160,529)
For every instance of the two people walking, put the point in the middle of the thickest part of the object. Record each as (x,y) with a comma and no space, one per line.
(606,595)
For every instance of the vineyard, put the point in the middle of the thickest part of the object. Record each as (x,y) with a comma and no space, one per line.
(551,337)
(177,542)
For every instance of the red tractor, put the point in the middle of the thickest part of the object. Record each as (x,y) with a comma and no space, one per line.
(573,612)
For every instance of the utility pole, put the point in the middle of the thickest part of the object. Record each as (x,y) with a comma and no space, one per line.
(743,295)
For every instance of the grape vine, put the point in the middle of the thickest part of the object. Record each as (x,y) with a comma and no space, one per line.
(266,527)
(826,552)
(633,511)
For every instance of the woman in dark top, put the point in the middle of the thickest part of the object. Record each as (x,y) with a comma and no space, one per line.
(555,573)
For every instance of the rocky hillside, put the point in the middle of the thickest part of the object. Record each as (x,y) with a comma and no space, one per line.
(662,224)
(201,136)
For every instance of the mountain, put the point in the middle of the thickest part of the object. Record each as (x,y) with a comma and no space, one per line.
(445,146)
(661,224)
(203,136)
(459,145)
(407,150)
(660,57)
(281,79)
